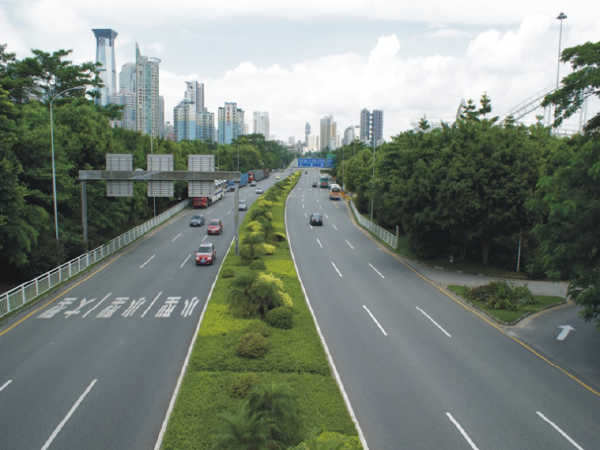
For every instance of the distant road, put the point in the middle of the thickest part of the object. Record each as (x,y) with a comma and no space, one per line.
(97,367)
(421,370)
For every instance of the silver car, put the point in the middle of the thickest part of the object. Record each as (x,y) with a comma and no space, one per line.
(242,205)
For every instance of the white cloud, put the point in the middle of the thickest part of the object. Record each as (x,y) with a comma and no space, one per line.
(447,32)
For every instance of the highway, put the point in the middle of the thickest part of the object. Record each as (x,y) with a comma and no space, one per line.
(97,366)
(422,370)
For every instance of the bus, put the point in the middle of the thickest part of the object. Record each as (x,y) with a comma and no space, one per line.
(324,183)
(335,192)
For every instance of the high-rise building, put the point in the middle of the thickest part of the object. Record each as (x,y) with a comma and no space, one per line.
(231,123)
(147,96)
(194,93)
(328,133)
(313,143)
(260,124)
(184,121)
(161,116)
(127,100)
(306,133)
(348,136)
(371,126)
(105,55)
(205,125)
(127,77)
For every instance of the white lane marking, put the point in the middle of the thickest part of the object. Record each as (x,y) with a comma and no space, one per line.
(152,304)
(229,212)
(566,329)
(434,322)
(151,258)
(204,238)
(303,206)
(375,320)
(187,359)
(302,199)
(5,384)
(334,266)
(320,207)
(68,416)
(327,217)
(332,224)
(186,260)
(319,242)
(378,272)
(175,238)
(305,215)
(209,212)
(349,244)
(465,435)
(317,200)
(565,435)
(98,304)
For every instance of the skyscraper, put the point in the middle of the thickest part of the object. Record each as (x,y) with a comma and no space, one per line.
(127,77)
(205,125)
(127,100)
(260,124)
(306,133)
(184,121)
(105,54)
(147,97)
(371,126)
(194,93)
(328,133)
(231,123)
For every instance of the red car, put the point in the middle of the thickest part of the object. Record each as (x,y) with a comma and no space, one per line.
(206,254)
(215,226)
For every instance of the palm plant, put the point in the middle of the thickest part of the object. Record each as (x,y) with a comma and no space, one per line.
(276,400)
(244,429)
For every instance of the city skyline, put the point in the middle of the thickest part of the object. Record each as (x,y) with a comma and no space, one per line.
(406,59)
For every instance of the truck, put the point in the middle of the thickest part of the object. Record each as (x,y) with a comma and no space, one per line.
(258,174)
(217,194)
(244,180)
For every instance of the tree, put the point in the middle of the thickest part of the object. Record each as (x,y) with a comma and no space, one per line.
(245,429)
(276,400)
(569,236)
(580,84)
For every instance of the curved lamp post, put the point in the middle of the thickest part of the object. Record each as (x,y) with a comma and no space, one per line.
(53,166)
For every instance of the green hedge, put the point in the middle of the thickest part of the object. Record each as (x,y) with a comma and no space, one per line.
(295,356)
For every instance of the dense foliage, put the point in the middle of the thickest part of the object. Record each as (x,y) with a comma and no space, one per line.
(82,138)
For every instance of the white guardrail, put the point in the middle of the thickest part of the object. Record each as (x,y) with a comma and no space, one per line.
(382,234)
(21,295)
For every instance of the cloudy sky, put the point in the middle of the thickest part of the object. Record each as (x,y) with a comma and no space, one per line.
(303,60)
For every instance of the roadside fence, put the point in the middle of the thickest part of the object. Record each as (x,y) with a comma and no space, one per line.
(381,233)
(21,295)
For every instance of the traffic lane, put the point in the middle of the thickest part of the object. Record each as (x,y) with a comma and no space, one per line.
(564,336)
(353,295)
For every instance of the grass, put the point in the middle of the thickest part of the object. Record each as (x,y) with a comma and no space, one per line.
(295,356)
(505,316)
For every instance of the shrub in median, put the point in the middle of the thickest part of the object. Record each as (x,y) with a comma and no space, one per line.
(258,265)
(280,318)
(252,345)
(242,383)
(256,326)
(256,293)
(501,295)
(228,272)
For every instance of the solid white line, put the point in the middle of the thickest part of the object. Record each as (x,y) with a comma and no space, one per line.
(97,304)
(68,416)
(565,435)
(329,357)
(5,384)
(173,240)
(465,435)
(151,258)
(209,212)
(305,215)
(319,242)
(375,320)
(435,323)
(349,244)
(302,199)
(186,260)
(334,227)
(378,272)
(339,273)
(187,360)
(151,304)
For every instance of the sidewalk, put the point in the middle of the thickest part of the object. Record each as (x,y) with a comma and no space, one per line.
(445,277)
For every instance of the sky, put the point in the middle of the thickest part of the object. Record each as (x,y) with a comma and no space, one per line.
(303,60)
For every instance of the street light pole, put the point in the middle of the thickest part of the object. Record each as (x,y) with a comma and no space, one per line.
(373,187)
(53,165)
(560,17)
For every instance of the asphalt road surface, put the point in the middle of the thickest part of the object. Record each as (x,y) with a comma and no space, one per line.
(97,366)
(421,370)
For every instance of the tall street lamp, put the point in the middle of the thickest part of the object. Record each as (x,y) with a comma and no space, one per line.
(560,17)
(53,165)
(373,187)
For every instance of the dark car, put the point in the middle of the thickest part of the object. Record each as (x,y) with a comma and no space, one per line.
(242,205)
(314,184)
(316,219)
(197,220)
(215,226)
(206,254)
(306,171)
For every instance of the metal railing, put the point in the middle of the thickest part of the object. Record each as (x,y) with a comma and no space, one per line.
(381,233)
(21,295)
